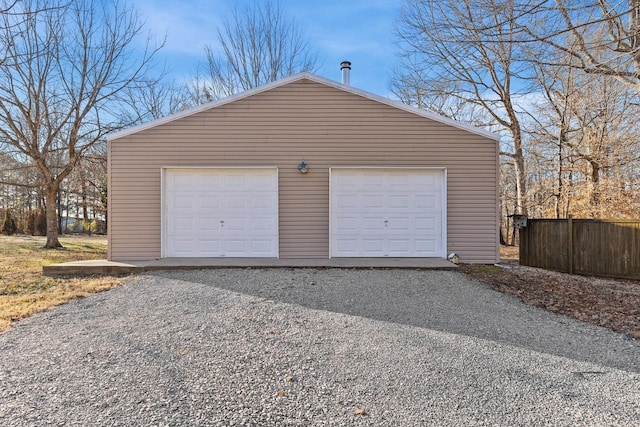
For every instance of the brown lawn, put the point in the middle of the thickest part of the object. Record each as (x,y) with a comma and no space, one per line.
(25,291)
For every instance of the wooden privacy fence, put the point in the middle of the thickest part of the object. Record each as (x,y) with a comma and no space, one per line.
(592,247)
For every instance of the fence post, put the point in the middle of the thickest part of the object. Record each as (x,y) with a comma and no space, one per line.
(570,244)
(522,250)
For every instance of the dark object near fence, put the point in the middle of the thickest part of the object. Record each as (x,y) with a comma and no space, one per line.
(590,247)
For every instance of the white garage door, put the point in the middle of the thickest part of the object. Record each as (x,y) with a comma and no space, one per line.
(387,213)
(221,213)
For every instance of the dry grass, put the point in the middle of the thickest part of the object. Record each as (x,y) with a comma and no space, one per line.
(25,291)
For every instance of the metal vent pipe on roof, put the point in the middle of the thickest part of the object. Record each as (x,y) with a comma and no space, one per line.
(345,66)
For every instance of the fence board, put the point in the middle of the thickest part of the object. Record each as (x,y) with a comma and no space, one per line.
(609,248)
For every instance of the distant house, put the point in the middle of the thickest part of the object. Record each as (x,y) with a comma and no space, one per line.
(228,179)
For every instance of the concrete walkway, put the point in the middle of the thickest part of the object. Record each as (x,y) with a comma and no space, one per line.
(127,267)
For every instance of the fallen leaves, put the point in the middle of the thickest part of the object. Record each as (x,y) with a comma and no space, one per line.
(611,303)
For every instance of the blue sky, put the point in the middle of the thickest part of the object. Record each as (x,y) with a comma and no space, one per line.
(360,31)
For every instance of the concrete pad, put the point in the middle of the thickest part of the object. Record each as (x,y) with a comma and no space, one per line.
(93,267)
(88,268)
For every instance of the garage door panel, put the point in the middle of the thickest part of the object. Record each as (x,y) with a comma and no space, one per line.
(347,200)
(349,245)
(221,212)
(371,247)
(262,224)
(262,246)
(234,225)
(347,224)
(372,201)
(207,225)
(400,201)
(387,212)
(399,246)
(235,182)
(427,201)
(400,225)
(209,246)
(184,201)
(371,225)
(235,247)
(426,224)
(261,201)
(426,245)
(182,224)
(182,183)
(183,246)
(236,200)
(209,201)
(209,181)
(258,183)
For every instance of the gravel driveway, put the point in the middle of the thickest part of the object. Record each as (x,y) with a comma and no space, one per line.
(278,347)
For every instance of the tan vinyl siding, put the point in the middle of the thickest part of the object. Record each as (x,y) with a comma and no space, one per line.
(279,127)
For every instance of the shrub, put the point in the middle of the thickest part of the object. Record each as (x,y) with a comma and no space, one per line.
(9,224)
(40,223)
(88,227)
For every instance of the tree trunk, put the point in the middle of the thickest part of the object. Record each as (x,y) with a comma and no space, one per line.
(521,183)
(561,140)
(518,161)
(86,225)
(595,183)
(59,212)
(51,197)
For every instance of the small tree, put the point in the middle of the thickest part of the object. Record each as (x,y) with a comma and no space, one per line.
(89,227)
(30,223)
(9,224)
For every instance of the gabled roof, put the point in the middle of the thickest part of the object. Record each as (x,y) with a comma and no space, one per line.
(313,78)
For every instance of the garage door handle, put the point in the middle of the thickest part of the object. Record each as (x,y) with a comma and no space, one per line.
(221,223)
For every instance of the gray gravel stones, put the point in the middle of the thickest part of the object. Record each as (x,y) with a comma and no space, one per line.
(304,347)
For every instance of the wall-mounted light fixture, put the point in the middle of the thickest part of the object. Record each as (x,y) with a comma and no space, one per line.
(303,167)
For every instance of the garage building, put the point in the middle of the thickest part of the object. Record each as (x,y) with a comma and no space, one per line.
(303,168)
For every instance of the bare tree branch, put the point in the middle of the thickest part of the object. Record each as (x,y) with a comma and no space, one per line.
(450,61)
(257,44)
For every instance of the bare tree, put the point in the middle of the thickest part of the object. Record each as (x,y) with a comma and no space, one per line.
(584,140)
(66,67)
(550,127)
(257,44)
(602,37)
(452,56)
